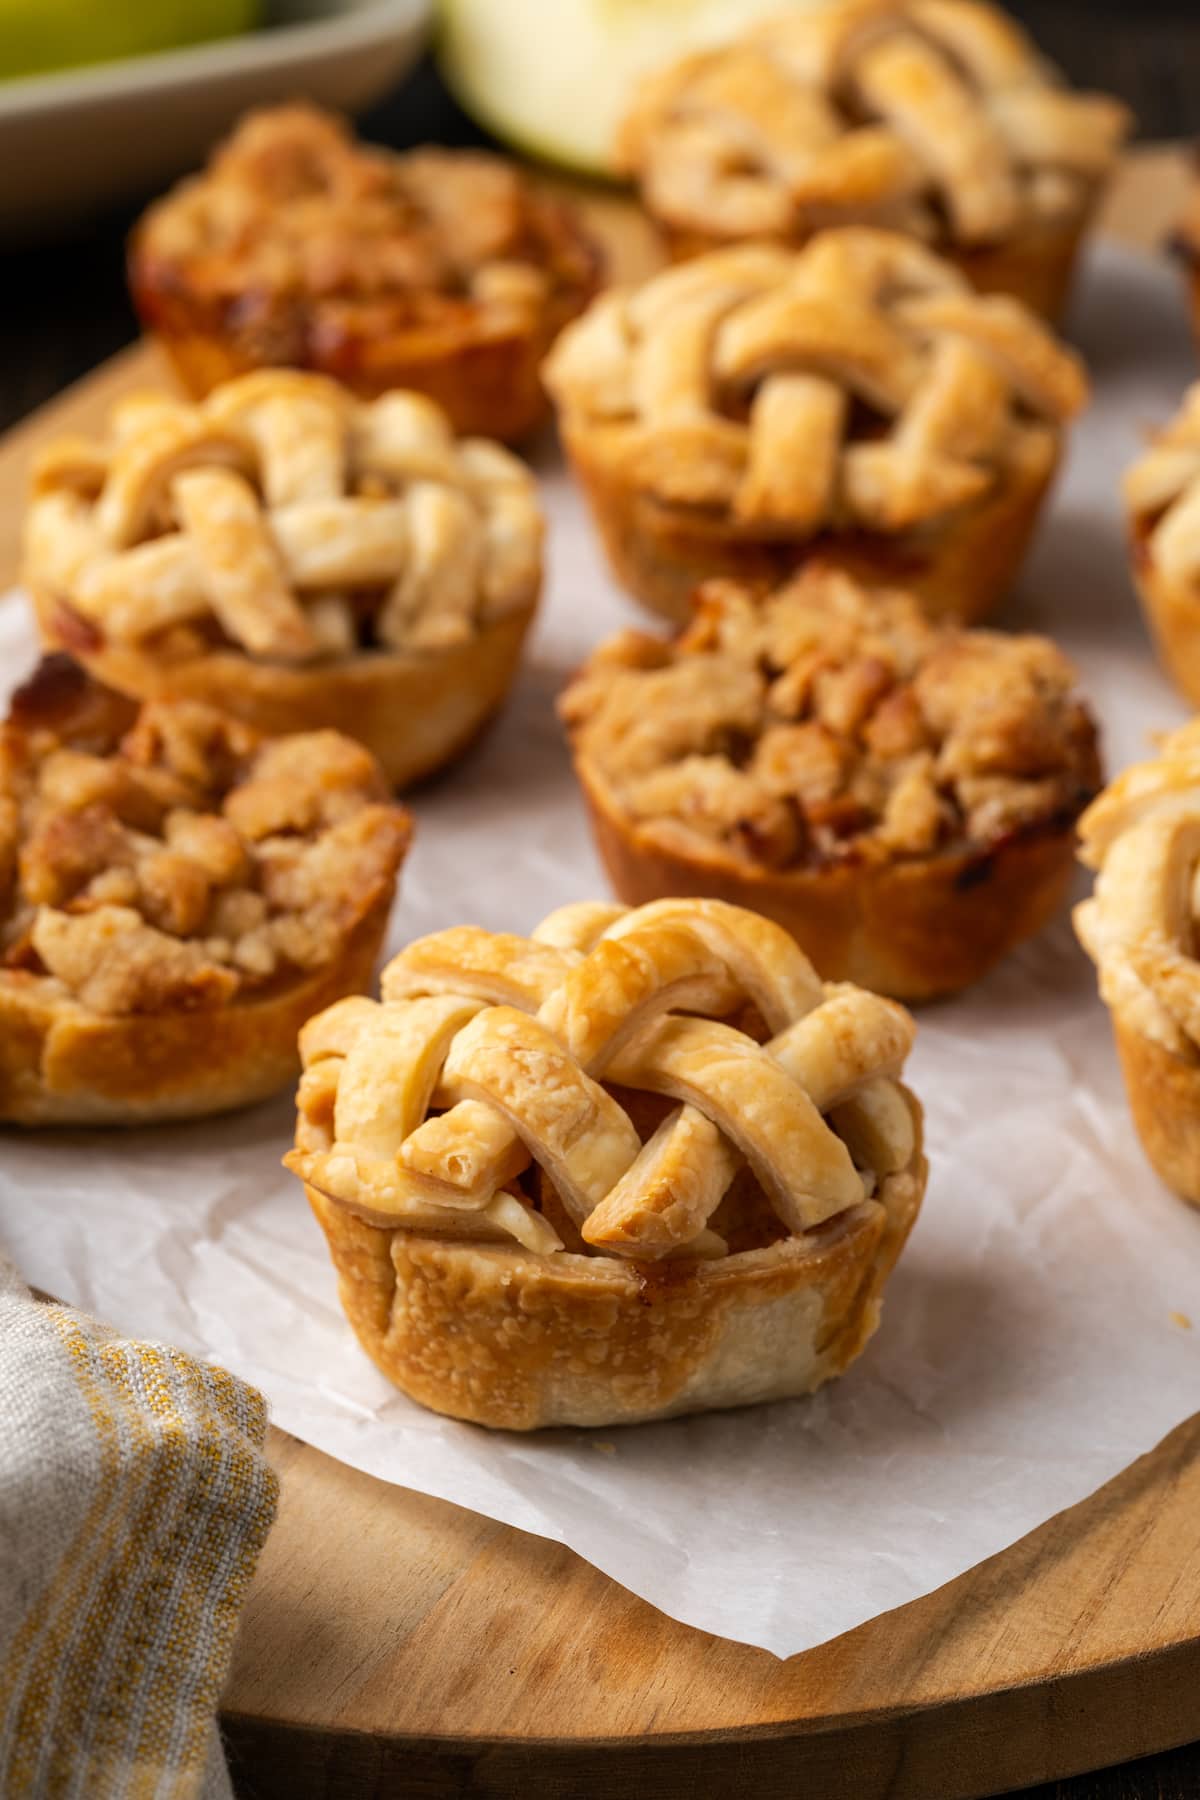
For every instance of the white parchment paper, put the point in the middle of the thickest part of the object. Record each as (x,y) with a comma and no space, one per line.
(1033,1340)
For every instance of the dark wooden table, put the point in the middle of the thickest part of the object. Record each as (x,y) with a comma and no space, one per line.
(65,310)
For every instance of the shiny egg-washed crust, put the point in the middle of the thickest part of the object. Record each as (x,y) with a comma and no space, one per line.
(854,399)
(295,556)
(1142,839)
(1162,502)
(517,1342)
(443,271)
(704,1212)
(160,1011)
(937,119)
(899,795)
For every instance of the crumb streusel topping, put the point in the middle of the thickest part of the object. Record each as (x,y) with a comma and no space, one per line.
(824,722)
(292,204)
(166,857)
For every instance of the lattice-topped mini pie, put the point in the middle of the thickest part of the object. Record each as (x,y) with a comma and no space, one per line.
(900,795)
(1162,500)
(446,271)
(297,556)
(641,1163)
(933,117)
(737,412)
(177,896)
(1140,928)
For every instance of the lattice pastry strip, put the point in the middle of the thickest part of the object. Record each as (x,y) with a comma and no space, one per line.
(287,511)
(1162,491)
(939,118)
(740,380)
(516,1040)
(1142,836)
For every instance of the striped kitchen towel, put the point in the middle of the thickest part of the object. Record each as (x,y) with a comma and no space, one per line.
(134,1500)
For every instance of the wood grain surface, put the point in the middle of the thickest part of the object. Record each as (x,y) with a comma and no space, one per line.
(394,1645)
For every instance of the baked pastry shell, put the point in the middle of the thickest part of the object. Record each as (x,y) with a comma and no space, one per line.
(1172,612)
(515,1341)
(1164,1098)
(63,1064)
(1035,266)
(487,380)
(415,711)
(913,928)
(959,567)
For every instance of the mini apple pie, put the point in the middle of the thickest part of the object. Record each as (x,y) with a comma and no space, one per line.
(300,558)
(900,795)
(177,896)
(933,117)
(1162,500)
(638,1164)
(1141,928)
(739,412)
(446,271)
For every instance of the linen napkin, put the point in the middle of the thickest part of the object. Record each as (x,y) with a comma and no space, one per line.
(134,1500)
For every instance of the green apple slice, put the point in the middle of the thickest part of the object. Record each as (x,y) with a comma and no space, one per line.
(552,77)
(40,36)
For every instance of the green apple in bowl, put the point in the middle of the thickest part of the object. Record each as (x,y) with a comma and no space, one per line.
(38,37)
(552,77)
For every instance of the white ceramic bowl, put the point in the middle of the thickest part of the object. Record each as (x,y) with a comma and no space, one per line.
(78,140)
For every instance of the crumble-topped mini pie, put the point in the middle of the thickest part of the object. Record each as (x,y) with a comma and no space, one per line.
(638,1164)
(1140,928)
(177,896)
(296,556)
(1162,501)
(740,411)
(933,117)
(446,271)
(900,795)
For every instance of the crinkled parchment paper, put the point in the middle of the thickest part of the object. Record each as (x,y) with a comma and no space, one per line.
(1033,1340)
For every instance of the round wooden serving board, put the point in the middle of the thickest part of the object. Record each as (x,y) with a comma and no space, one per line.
(394,1645)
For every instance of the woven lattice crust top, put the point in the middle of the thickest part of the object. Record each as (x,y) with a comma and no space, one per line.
(287,519)
(857,384)
(669,1080)
(1142,837)
(935,117)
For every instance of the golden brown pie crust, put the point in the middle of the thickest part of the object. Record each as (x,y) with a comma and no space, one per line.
(519,1342)
(1162,498)
(152,1045)
(914,930)
(662,554)
(442,271)
(939,121)
(854,400)
(1142,839)
(911,920)
(200,553)
(414,713)
(1036,268)
(618,1302)
(1164,1097)
(1172,612)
